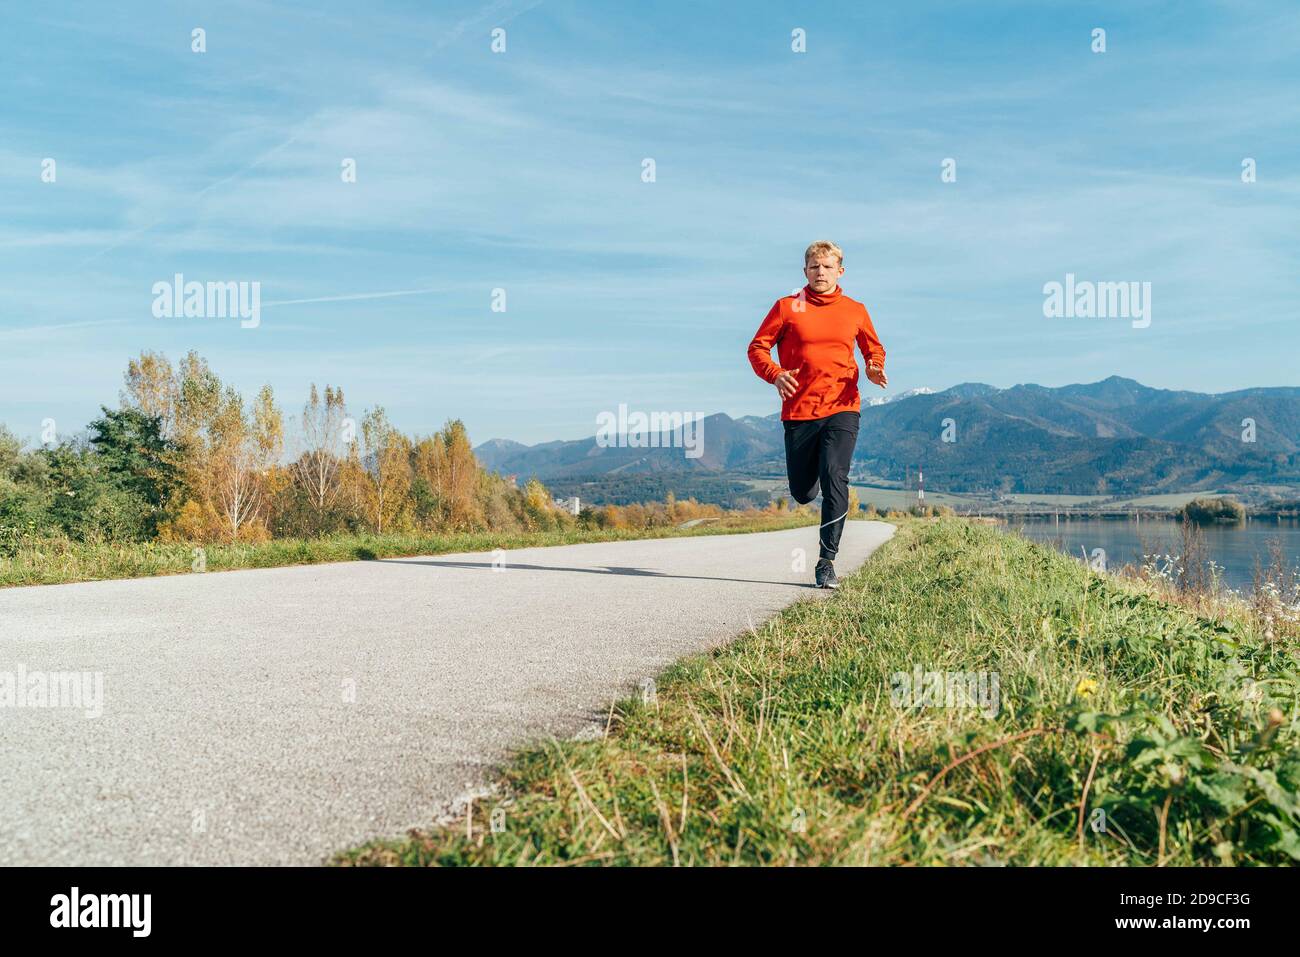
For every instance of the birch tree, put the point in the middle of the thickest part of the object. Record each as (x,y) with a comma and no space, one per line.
(318,468)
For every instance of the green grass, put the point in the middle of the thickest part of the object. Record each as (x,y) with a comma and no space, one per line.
(60,560)
(785,746)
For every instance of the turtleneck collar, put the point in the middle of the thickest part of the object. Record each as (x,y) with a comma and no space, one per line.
(820,299)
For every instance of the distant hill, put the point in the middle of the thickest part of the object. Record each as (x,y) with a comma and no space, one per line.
(1111,437)
(728,445)
(498,450)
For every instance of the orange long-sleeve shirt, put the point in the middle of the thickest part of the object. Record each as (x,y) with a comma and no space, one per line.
(816,337)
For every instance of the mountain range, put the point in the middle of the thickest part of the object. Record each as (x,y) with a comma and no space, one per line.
(1113,437)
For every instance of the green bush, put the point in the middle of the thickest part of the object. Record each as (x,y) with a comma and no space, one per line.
(1211,511)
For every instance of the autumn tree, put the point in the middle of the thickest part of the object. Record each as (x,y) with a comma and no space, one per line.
(537,503)
(445,464)
(186,401)
(387,466)
(317,470)
(151,388)
(243,446)
(221,452)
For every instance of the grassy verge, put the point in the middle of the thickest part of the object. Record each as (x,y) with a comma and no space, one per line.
(1128,731)
(61,561)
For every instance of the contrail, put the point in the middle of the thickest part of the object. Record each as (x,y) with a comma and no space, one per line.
(359,295)
(18,333)
(221,182)
(490,10)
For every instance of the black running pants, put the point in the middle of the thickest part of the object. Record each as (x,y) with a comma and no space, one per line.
(818,453)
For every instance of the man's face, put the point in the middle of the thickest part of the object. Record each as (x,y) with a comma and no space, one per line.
(823,272)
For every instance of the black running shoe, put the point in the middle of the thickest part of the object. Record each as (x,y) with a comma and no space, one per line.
(825,573)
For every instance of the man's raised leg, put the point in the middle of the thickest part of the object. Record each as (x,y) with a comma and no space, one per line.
(803,459)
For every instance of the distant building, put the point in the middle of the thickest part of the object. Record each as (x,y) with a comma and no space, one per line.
(570,505)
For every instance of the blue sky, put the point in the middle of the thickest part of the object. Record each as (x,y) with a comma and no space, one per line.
(522,170)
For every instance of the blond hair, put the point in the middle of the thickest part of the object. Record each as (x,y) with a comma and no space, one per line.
(823,248)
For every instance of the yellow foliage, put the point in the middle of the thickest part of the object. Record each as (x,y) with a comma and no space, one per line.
(194,522)
(253,531)
(536,496)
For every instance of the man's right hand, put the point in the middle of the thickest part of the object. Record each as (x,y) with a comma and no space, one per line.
(786,383)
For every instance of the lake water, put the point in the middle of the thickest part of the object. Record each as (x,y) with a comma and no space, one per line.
(1235,547)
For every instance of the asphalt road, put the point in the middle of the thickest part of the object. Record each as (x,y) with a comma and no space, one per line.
(278,715)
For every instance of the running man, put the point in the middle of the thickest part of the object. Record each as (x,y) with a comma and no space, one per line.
(817,379)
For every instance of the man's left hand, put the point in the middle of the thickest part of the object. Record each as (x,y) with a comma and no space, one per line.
(877,375)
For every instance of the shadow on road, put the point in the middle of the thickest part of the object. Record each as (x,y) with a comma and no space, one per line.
(603,570)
